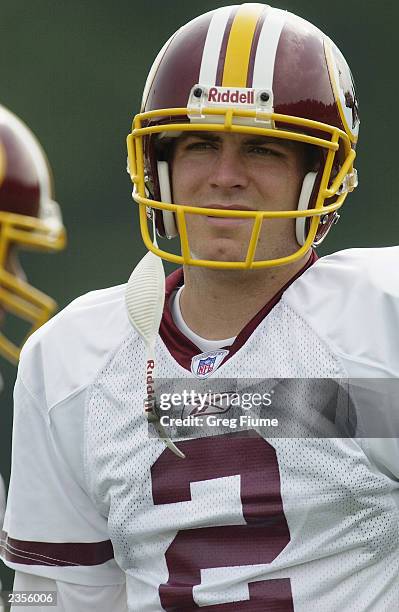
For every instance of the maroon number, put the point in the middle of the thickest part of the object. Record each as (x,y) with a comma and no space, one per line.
(260,541)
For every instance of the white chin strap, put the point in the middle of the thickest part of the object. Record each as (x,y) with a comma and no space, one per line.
(303,204)
(145,296)
(169,218)
(166,196)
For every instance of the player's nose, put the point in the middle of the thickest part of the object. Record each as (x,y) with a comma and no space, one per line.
(229,170)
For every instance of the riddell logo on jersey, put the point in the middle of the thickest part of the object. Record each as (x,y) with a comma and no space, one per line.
(149,403)
(222,95)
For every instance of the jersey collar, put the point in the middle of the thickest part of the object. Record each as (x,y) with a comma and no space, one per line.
(182,349)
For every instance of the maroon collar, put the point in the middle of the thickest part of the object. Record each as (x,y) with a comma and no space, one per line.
(182,349)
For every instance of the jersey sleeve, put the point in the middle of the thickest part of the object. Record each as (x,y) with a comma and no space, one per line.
(52,527)
(351,300)
(2,500)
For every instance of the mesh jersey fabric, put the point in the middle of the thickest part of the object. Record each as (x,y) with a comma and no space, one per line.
(242,520)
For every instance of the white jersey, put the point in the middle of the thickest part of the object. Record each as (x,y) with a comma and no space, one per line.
(256,522)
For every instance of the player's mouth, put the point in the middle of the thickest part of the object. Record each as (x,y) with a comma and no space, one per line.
(228,221)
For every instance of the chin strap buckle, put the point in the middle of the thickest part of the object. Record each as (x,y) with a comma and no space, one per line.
(349,183)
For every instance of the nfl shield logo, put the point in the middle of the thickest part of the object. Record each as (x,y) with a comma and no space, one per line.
(205,364)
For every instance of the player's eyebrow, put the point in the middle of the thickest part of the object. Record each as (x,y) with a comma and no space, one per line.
(259,140)
(209,136)
(251,140)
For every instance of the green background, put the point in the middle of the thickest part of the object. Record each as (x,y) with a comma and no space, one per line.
(74,71)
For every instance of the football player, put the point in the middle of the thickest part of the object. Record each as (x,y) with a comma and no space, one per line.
(29,219)
(243,152)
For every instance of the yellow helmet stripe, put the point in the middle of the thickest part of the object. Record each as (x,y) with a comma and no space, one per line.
(239,45)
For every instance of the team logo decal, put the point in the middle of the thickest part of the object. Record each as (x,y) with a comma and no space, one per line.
(205,364)
(344,90)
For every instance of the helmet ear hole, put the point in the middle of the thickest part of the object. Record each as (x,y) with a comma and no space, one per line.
(303,204)
(168,217)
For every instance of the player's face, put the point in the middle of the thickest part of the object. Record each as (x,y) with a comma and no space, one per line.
(238,171)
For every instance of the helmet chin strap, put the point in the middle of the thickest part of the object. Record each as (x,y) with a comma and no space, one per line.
(145,297)
(169,218)
(303,204)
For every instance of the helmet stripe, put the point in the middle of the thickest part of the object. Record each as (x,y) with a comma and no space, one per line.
(269,38)
(240,44)
(254,47)
(213,46)
(223,49)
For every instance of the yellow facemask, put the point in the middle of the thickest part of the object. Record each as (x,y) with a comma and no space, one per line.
(17,296)
(229,120)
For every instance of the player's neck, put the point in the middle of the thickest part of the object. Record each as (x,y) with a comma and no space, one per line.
(217,304)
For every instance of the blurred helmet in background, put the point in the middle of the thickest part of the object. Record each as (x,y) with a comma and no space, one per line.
(30,219)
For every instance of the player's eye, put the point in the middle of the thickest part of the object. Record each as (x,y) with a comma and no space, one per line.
(200,145)
(265,150)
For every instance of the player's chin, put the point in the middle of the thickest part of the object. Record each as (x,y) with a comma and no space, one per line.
(224,241)
(221,249)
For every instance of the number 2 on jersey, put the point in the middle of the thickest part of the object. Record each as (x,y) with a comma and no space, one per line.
(258,542)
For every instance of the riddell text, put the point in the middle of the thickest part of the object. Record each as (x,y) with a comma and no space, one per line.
(150,400)
(231,96)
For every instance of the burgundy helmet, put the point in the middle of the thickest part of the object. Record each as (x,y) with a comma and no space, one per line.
(29,219)
(256,66)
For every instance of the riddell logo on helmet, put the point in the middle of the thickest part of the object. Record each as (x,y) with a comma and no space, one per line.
(223,95)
